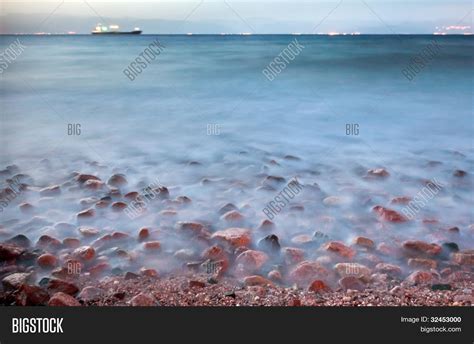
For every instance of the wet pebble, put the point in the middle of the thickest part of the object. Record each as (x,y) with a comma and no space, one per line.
(266,225)
(50,191)
(152,246)
(226,208)
(319,286)
(233,236)
(142,300)
(255,280)
(19,240)
(15,280)
(418,247)
(84,253)
(270,243)
(63,299)
(364,242)
(389,215)
(91,293)
(351,282)
(117,180)
(31,295)
(252,260)
(47,261)
(233,216)
(340,249)
(59,285)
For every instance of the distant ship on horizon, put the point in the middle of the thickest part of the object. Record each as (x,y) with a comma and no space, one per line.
(113,30)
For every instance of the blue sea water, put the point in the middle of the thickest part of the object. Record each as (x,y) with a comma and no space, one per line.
(153,127)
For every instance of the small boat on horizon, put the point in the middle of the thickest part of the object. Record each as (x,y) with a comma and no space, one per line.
(113,30)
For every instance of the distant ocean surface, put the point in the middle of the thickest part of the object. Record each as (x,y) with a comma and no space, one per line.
(153,127)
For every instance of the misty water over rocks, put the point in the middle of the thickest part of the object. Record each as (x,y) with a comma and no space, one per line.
(144,201)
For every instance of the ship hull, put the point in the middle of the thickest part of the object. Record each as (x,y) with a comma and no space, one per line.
(117,33)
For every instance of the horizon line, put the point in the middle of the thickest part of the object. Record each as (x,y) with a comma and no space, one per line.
(244,34)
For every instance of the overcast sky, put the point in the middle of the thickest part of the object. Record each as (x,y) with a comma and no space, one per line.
(237,16)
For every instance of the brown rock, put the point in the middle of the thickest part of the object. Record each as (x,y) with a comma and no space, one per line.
(183,200)
(389,269)
(8,252)
(47,261)
(152,246)
(62,299)
(117,180)
(168,212)
(454,230)
(226,208)
(273,181)
(389,215)
(307,271)
(214,253)
(274,275)
(378,173)
(142,300)
(233,216)
(420,247)
(351,282)
(420,277)
(267,225)
(85,253)
(71,242)
(143,234)
(119,236)
(50,191)
(109,239)
(132,195)
(293,255)
(86,214)
(302,239)
(459,173)
(191,227)
(233,236)
(92,184)
(91,293)
(252,260)
(463,258)
(58,285)
(102,204)
(31,295)
(119,206)
(82,178)
(421,263)
(340,249)
(48,242)
(16,280)
(387,250)
(319,286)
(26,207)
(19,240)
(88,231)
(149,272)
(401,200)
(256,280)
(364,242)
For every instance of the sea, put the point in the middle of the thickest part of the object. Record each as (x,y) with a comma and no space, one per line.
(203,120)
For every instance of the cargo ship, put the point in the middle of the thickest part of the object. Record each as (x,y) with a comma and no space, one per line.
(113,30)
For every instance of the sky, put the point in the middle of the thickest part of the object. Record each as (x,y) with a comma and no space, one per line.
(238,16)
